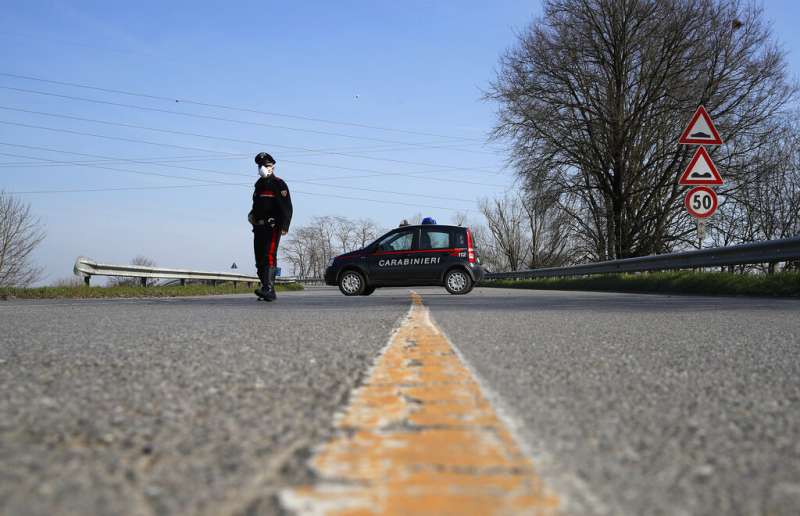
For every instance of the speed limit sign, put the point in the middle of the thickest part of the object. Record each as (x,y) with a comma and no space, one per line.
(701,202)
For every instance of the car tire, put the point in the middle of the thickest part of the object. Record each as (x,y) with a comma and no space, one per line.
(458,282)
(368,291)
(352,283)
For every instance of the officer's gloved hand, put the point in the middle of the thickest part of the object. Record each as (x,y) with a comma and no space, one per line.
(250,218)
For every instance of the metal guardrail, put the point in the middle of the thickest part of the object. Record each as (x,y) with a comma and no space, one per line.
(87,268)
(310,281)
(757,252)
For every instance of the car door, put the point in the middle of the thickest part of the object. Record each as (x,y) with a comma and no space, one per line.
(435,249)
(390,257)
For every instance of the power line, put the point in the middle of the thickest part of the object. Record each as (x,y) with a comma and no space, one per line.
(219,119)
(380,148)
(116,138)
(229,108)
(173,187)
(371,190)
(183,147)
(374,173)
(155,161)
(118,189)
(235,140)
(179,159)
(127,171)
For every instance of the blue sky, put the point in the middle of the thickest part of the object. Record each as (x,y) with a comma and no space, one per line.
(412,71)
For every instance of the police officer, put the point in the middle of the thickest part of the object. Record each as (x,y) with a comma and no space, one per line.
(270,217)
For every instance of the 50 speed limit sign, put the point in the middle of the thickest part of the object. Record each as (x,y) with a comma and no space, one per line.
(701,202)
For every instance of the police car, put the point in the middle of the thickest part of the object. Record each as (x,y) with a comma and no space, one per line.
(425,254)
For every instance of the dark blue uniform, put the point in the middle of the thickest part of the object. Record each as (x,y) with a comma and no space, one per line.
(271,214)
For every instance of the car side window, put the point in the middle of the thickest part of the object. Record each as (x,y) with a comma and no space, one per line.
(435,239)
(461,238)
(397,242)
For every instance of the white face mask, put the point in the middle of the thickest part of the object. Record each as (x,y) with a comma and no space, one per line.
(265,170)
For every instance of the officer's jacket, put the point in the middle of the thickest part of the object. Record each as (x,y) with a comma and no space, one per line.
(271,199)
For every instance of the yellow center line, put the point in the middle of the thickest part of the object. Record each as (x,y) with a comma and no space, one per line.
(420,437)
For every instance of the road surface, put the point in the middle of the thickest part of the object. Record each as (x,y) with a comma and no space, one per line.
(624,403)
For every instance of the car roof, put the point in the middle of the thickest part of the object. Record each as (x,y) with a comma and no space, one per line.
(447,226)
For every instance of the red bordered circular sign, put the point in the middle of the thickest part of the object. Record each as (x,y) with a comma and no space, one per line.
(701,202)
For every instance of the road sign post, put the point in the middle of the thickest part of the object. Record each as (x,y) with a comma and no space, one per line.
(701,232)
(701,173)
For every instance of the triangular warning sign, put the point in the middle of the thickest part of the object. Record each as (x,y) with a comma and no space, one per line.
(701,170)
(701,130)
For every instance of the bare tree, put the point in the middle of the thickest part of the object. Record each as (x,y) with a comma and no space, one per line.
(459,218)
(595,93)
(345,233)
(768,205)
(20,234)
(299,251)
(324,229)
(486,248)
(310,247)
(505,217)
(774,196)
(549,230)
(731,225)
(365,231)
(484,243)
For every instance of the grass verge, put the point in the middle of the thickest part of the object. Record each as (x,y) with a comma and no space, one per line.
(786,284)
(84,292)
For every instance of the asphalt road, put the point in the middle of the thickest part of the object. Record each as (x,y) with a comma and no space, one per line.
(629,404)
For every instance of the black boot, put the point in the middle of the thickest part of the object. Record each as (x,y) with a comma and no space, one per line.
(271,296)
(263,290)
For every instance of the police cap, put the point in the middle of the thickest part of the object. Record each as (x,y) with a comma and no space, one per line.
(262,158)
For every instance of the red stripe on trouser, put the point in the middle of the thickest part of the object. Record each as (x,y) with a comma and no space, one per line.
(271,254)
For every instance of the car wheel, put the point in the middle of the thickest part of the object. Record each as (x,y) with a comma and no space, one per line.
(368,291)
(457,281)
(352,283)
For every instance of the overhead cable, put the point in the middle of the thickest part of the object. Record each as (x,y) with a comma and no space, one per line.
(235,140)
(314,183)
(227,107)
(249,123)
(169,164)
(200,149)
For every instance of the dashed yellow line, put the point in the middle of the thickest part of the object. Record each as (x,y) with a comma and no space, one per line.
(419,437)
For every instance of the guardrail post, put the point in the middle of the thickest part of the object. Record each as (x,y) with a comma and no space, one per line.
(183,282)
(87,280)
(143,281)
(235,284)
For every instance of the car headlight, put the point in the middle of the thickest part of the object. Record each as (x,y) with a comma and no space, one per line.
(330,262)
